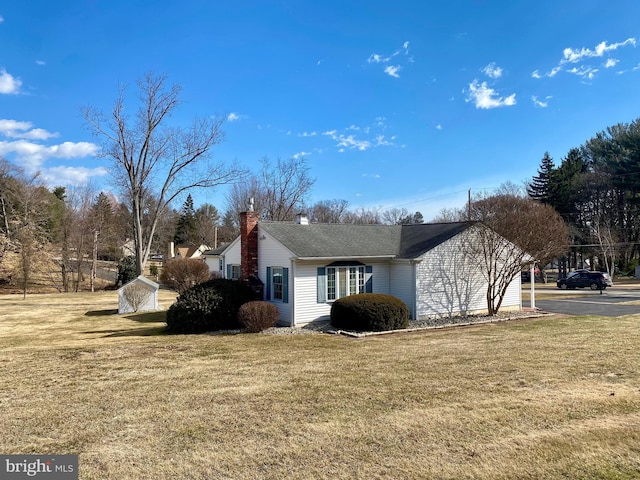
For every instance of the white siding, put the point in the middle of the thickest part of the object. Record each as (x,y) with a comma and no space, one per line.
(231,256)
(451,283)
(272,253)
(402,284)
(307,308)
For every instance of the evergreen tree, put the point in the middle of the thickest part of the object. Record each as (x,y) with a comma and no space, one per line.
(186,232)
(538,189)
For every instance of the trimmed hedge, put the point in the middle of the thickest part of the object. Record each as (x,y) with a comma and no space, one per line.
(258,316)
(372,312)
(209,306)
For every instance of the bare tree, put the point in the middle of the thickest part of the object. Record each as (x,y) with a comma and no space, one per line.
(279,191)
(364,216)
(519,230)
(152,158)
(328,211)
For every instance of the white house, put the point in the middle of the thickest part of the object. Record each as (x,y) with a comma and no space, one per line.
(139,295)
(305,266)
(215,260)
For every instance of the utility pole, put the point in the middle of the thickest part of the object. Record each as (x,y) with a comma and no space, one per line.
(469,206)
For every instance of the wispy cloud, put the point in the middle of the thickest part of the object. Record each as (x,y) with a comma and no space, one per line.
(438,127)
(371,175)
(234,117)
(492,70)
(485,97)
(392,70)
(351,141)
(299,155)
(9,84)
(41,63)
(611,62)
(575,56)
(584,71)
(540,103)
(1,19)
(308,134)
(572,56)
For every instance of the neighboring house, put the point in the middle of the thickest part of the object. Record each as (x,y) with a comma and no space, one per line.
(186,251)
(139,295)
(306,267)
(215,260)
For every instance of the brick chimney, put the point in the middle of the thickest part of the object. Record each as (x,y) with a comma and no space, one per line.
(249,244)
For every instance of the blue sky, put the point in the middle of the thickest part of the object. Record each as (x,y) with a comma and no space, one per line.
(403,104)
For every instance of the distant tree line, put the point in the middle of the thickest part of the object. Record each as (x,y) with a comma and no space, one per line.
(596,190)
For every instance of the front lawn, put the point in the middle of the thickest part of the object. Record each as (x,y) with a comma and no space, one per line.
(550,398)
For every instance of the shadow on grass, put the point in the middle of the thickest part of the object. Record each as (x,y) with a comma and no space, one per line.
(139,332)
(142,317)
(101,313)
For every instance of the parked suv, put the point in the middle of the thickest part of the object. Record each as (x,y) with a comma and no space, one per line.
(585,278)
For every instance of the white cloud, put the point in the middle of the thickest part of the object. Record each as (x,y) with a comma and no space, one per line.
(17,129)
(572,56)
(485,97)
(583,71)
(536,74)
(438,127)
(540,103)
(33,155)
(233,117)
(8,83)
(1,19)
(611,62)
(405,45)
(492,70)
(375,58)
(71,175)
(371,175)
(298,155)
(41,62)
(308,134)
(392,70)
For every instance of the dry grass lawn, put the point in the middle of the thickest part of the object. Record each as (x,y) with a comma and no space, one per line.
(551,398)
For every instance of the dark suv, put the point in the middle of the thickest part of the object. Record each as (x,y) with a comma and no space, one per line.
(585,278)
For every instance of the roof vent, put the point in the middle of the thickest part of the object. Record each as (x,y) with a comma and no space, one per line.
(301,219)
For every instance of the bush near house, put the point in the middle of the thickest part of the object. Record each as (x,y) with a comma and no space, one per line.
(209,306)
(180,274)
(258,316)
(369,312)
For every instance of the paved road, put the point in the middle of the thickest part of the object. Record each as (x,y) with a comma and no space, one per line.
(612,303)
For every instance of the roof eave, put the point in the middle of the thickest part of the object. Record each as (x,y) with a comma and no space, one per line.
(349,257)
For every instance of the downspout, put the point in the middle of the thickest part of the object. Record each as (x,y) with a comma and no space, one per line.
(533,285)
(292,293)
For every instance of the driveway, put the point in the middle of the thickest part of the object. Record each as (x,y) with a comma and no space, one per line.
(613,302)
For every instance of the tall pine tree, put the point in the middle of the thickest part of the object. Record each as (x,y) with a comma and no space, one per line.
(538,189)
(186,233)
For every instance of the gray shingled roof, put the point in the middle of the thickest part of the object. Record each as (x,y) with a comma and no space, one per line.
(339,240)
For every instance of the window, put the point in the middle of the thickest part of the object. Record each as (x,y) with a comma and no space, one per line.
(344,281)
(277,282)
(277,287)
(233,272)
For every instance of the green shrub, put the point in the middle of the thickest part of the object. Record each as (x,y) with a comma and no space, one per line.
(258,316)
(369,312)
(208,306)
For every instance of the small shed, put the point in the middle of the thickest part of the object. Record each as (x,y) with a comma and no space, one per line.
(139,295)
